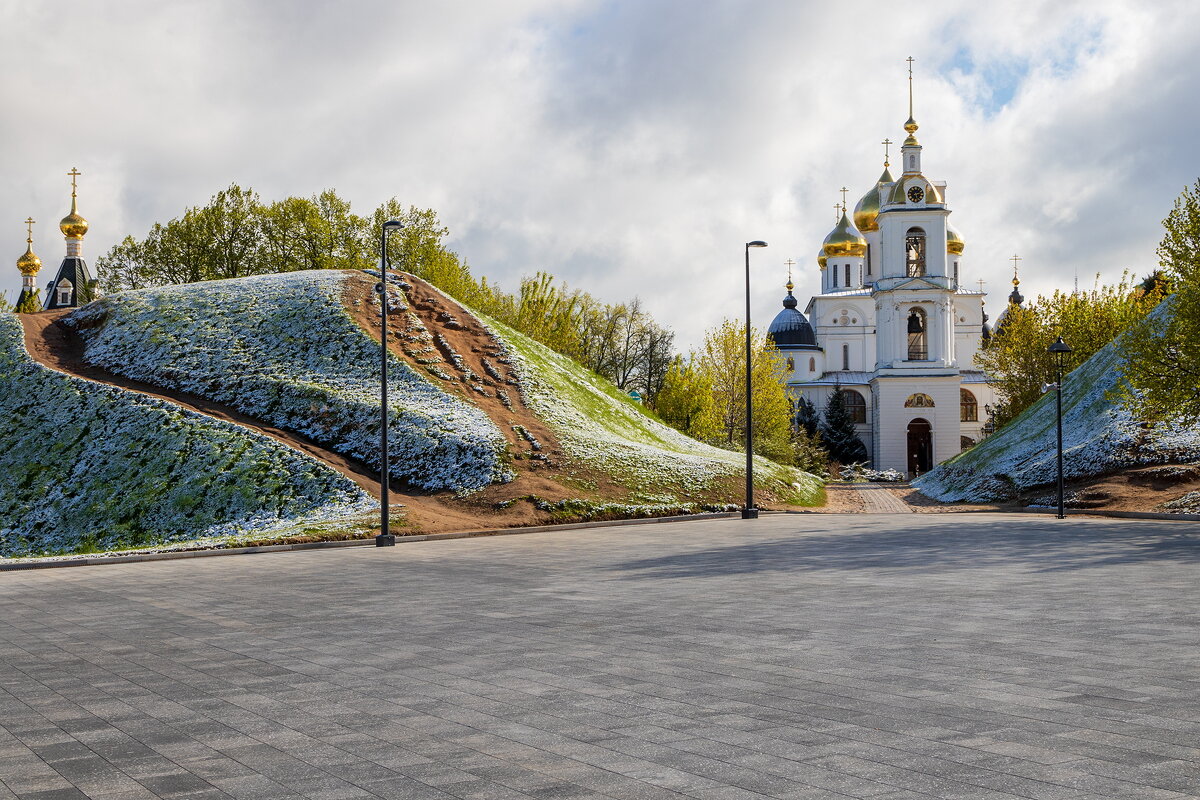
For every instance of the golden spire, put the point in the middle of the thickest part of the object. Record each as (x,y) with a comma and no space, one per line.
(887,143)
(73,225)
(29,264)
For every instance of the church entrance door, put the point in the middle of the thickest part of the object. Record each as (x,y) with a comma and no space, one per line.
(920,446)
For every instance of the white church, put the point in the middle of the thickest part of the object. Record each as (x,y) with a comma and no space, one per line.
(894,328)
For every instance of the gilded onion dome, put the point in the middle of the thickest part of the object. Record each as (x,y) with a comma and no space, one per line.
(954,242)
(29,264)
(898,192)
(844,240)
(821,258)
(867,210)
(73,225)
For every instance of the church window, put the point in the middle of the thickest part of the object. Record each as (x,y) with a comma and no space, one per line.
(834,276)
(914,248)
(845,356)
(856,406)
(812,365)
(791,365)
(919,400)
(868,260)
(970,406)
(64,290)
(917,349)
(848,284)
(956,272)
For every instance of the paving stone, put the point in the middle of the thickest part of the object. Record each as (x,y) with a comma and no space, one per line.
(792,657)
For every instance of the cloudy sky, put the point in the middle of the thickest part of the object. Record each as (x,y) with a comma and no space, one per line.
(628,147)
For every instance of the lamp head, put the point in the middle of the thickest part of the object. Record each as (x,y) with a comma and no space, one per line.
(393,223)
(756,243)
(1059,347)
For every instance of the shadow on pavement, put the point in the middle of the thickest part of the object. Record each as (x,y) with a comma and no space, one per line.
(1038,546)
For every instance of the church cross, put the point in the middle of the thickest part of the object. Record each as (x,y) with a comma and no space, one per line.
(843,190)
(910,63)
(837,212)
(887,143)
(790,263)
(980,284)
(74,173)
(29,228)
(1015,259)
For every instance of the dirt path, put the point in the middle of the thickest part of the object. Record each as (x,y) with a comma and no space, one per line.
(879,499)
(57,347)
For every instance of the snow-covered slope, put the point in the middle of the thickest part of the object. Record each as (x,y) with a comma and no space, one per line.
(600,426)
(86,466)
(284,349)
(1099,436)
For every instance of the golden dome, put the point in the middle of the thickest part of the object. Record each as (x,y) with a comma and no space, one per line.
(867,210)
(73,226)
(844,240)
(911,126)
(29,264)
(954,242)
(822,259)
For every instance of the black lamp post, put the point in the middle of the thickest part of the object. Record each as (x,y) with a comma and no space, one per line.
(385,538)
(1059,348)
(750,511)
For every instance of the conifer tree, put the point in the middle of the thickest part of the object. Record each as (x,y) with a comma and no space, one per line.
(838,434)
(807,418)
(31,304)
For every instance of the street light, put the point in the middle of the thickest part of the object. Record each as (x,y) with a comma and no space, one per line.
(1059,348)
(750,511)
(385,538)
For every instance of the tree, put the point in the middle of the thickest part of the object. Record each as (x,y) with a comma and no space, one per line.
(686,401)
(31,304)
(5,306)
(1016,357)
(838,433)
(723,362)
(810,455)
(1163,352)
(807,418)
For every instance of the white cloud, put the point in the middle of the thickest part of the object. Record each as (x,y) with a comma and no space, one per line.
(627,147)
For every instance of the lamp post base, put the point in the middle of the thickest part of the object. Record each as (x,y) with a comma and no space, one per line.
(385,540)
(749,513)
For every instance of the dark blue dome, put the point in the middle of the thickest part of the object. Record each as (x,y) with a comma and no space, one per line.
(790,328)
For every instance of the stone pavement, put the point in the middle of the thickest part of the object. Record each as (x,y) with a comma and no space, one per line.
(878,499)
(794,656)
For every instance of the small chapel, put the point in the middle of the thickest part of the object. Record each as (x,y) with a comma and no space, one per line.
(73,285)
(894,328)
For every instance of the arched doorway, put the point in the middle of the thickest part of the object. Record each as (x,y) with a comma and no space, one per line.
(920,446)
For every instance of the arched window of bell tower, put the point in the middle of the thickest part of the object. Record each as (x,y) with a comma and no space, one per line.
(917,348)
(914,251)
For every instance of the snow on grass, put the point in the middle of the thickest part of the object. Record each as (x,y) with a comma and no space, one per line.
(89,467)
(1099,436)
(600,426)
(284,349)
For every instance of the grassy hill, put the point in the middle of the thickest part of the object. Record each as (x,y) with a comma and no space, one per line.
(1099,437)
(488,428)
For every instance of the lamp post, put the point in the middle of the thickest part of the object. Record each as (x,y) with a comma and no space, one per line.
(1059,348)
(385,538)
(750,511)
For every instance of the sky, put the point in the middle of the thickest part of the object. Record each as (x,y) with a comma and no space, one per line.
(629,148)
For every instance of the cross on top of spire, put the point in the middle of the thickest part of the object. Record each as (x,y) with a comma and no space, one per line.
(29,228)
(74,173)
(1015,259)
(843,190)
(887,143)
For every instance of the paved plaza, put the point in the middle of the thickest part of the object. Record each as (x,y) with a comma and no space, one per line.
(795,656)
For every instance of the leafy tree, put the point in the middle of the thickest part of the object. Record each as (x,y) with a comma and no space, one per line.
(838,433)
(1016,358)
(5,306)
(723,361)
(686,401)
(1163,367)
